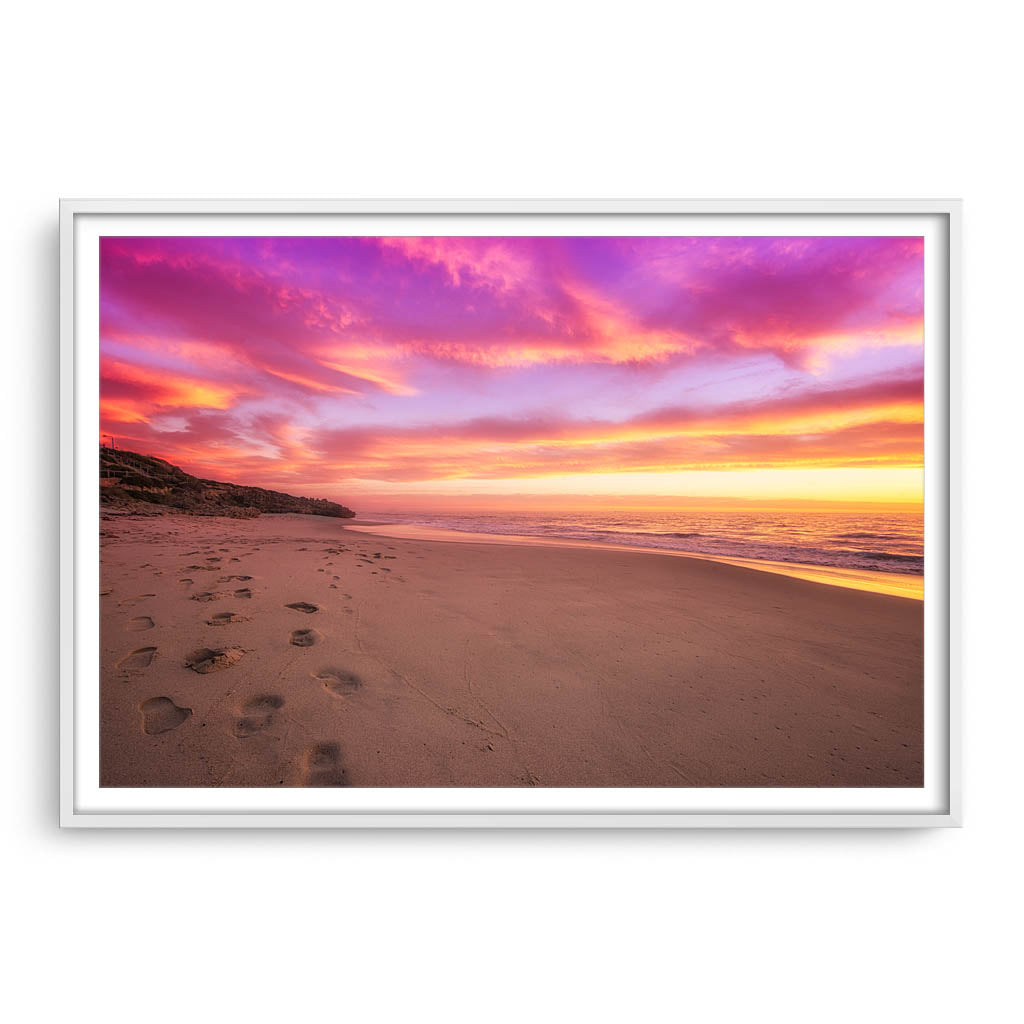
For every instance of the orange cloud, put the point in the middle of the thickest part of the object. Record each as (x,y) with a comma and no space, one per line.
(132,393)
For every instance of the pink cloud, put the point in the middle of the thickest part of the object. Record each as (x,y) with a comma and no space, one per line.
(264,356)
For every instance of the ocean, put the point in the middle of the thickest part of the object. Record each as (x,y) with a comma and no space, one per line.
(885,541)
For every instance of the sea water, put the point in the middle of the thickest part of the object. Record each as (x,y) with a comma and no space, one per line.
(877,541)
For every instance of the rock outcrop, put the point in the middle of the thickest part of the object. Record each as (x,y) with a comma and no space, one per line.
(127,478)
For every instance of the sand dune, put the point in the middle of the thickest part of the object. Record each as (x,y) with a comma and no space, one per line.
(290,650)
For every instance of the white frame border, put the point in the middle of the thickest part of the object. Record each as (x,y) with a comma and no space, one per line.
(70,817)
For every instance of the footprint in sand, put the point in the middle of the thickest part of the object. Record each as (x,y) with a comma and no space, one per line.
(129,601)
(229,579)
(322,766)
(142,658)
(338,682)
(303,606)
(305,637)
(139,623)
(213,660)
(223,618)
(243,593)
(208,595)
(256,714)
(161,714)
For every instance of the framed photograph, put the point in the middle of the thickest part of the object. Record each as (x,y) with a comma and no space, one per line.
(509,514)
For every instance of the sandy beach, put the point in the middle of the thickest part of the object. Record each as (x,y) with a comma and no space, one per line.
(289,650)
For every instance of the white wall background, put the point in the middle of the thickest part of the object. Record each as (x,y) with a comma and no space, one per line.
(545,99)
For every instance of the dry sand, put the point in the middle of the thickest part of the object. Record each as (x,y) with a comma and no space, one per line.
(288,651)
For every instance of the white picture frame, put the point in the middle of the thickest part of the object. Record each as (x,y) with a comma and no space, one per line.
(82,220)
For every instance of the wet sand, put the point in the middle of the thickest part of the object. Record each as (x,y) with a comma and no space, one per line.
(290,650)
(897,583)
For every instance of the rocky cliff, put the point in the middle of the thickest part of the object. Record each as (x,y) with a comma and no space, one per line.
(127,478)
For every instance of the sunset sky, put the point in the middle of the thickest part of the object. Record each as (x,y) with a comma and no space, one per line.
(431,369)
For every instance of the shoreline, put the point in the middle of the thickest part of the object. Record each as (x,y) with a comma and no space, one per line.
(894,584)
(289,650)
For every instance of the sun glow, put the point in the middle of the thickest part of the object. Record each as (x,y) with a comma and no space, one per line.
(684,368)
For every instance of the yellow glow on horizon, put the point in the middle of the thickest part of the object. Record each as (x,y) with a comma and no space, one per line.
(900,485)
